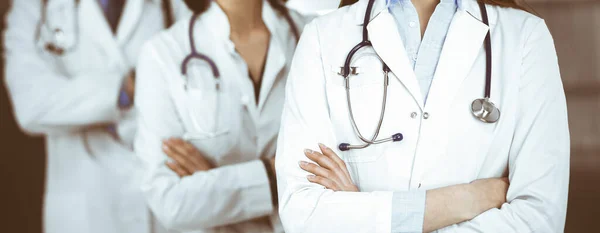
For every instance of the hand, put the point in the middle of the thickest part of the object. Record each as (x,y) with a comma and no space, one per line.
(487,194)
(187,159)
(330,171)
(272,163)
(129,85)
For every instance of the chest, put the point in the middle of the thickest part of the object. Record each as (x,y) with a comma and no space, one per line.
(253,49)
(226,123)
(443,142)
(80,30)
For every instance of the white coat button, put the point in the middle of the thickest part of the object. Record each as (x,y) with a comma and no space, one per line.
(413,115)
(426,115)
(412,24)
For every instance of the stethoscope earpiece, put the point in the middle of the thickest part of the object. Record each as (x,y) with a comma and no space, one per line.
(484,110)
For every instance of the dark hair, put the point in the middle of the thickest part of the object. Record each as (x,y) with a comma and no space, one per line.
(518,4)
(197,6)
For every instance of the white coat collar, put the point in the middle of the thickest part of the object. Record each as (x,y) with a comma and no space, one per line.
(463,42)
(470,6)
(222,28)
(276,57)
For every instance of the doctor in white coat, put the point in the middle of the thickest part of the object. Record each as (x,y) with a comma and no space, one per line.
(69,77)
(395,186)
(208,137)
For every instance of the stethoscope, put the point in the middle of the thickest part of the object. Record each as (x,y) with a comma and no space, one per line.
(58,41)
(482,108)
(195,55)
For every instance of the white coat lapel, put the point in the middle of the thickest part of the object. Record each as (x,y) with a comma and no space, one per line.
(93,26)
(129,20)
(463,44)
(386,40)
(274,64)
(276,59)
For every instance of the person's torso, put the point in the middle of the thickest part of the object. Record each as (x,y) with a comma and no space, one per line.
(227,124)
(443,143)
(91,178)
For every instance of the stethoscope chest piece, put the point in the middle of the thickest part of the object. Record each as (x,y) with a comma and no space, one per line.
(484,110)
(57,44)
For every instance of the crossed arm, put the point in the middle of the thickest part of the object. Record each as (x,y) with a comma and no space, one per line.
(444,206)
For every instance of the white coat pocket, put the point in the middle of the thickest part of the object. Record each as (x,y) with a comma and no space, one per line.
(211,117)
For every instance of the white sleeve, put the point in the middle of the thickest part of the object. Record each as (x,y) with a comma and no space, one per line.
(303,206)
(218,197)
(45,101)
(539,156)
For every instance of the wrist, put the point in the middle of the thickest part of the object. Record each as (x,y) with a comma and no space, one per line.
(471,194)
(467,194)
(126,92)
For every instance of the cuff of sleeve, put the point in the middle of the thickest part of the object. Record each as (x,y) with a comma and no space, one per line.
(256,190)
(408,211)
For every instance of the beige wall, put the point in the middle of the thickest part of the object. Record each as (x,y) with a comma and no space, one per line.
(575,25)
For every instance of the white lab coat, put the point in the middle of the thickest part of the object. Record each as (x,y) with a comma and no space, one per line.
(92,181)
(235,196)
(530,142)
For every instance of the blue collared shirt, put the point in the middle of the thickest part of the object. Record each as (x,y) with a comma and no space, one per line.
(408,208)
(423,53)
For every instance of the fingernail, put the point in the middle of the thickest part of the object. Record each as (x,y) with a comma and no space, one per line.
(310,177)
(302,163)
(308,151)
(322,146)
(165,147)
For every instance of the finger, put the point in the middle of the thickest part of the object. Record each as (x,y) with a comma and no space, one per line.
(327,183)
(317,170)
(323,161)
(177,169)
(331,154)
(192,154)
(174,152)
(341,172)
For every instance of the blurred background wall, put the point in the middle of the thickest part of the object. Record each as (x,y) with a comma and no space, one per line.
(575,25)
(22,167)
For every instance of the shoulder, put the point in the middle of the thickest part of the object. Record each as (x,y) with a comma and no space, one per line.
(169,46)
(520,24)
(341,16)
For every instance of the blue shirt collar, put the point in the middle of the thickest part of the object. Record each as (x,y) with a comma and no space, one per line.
(392,2)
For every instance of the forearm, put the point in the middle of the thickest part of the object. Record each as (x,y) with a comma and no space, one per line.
(65,105)
(218,197)
(446,206)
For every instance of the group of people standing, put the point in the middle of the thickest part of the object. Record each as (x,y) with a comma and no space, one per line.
(165,116)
